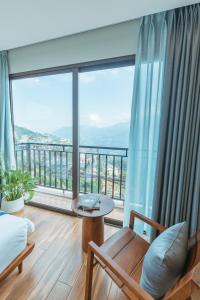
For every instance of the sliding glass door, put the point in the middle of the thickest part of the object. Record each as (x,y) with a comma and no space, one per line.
(72,129)
(105,97)
(43,135)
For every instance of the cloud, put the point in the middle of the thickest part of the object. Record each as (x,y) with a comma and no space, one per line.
(95,119)
(29,82)
(67,77)
(87,77)
(113,71)
(34,80)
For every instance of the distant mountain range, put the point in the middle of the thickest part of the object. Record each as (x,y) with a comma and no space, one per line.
(112,136)
(23,135)
(21,131)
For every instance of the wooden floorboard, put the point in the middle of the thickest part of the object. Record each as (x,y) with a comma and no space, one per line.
(59,291)
(55,270)
(64,201)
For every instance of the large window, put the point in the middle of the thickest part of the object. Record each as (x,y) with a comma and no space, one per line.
(46,118)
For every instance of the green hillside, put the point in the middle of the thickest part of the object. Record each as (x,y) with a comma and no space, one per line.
(112,136)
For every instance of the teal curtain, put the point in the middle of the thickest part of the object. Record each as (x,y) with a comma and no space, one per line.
(145,116)
(7,154)
(177,189)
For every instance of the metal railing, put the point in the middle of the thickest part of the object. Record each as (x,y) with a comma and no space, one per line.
(102,169)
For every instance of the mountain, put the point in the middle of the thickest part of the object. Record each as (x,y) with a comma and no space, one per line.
(63,132)
(24,135)
(112,136)
(21,131)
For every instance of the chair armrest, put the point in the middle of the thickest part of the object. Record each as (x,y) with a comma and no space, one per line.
(153,223)
(133,286)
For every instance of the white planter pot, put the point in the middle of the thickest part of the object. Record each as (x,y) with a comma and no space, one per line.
(12,206)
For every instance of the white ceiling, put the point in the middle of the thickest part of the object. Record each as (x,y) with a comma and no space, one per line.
(24,22)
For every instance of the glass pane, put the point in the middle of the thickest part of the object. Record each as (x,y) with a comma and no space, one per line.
(105,109)
(43,134)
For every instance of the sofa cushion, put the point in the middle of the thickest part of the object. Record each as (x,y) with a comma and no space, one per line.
(165,260)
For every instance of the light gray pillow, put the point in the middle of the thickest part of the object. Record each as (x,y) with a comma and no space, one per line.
(165,260)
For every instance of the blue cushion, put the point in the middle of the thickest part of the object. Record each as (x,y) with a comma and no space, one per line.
(2,213)
(165,260)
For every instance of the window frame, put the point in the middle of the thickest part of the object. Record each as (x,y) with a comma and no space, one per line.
(75,69)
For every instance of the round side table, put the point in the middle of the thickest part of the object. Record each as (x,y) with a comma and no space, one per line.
(93,221)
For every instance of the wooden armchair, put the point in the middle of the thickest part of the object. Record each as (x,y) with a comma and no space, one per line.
(122,257)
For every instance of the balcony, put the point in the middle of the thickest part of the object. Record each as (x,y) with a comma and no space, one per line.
(102,170)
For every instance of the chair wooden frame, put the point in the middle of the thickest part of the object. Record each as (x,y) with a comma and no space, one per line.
(18,261)
(188,285)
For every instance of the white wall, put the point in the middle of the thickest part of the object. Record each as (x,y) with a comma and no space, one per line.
(112,41)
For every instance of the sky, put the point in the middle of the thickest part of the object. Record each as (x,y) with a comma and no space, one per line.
(44,104)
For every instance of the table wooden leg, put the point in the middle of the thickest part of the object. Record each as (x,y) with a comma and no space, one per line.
(92,230)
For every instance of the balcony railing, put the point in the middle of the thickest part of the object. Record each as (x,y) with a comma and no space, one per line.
(102,169)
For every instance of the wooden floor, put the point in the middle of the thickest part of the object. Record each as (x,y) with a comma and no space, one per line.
(64,202)
(55,270)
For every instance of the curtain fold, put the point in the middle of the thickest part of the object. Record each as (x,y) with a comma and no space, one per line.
(7,154)
(145,115)
(177,188)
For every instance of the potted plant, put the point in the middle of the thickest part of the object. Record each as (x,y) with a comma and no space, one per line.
(16,187)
